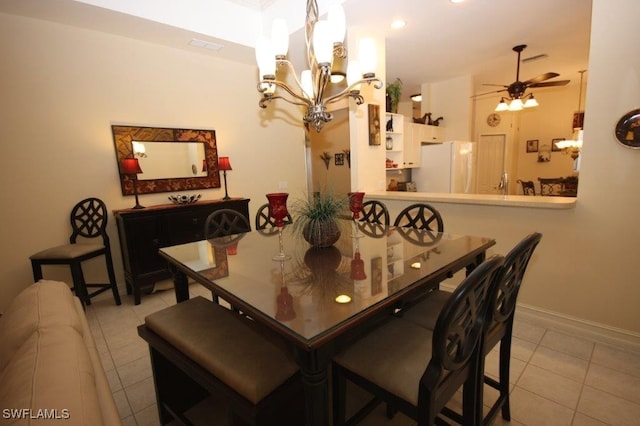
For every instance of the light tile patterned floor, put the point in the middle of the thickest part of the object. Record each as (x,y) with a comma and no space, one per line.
(557,379)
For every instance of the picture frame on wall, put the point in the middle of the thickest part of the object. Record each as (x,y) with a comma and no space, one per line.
(554,148)
(339,159)
(532,145)
(374,124)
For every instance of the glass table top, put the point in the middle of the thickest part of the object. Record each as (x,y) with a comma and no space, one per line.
(319,290)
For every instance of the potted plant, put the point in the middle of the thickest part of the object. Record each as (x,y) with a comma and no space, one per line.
(394,90)
(316,218)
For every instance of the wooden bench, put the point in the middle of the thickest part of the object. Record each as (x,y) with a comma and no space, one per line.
(200,349)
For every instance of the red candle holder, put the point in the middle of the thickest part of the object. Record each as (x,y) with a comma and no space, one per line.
(278,211)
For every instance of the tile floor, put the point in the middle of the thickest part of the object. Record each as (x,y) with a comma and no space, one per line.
(557,378)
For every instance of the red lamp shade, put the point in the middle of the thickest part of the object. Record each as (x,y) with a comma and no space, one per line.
(224,164)
(131,166)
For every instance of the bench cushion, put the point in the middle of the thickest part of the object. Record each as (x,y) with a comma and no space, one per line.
(227,345)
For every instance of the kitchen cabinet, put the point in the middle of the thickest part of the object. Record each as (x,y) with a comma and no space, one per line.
(412,144)
(143,231)
(432,134)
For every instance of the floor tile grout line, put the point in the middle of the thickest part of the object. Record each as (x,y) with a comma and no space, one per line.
(584,382)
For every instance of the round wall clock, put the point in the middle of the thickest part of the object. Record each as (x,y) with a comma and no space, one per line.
(628,129)
(493,119)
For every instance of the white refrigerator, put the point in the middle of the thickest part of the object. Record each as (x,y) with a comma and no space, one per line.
(446,167)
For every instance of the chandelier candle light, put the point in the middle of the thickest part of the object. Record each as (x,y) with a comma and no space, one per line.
(324,41)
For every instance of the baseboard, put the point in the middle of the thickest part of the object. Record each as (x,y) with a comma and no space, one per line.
(578,327)
(575,326)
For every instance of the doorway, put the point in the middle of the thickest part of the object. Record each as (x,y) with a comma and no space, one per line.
(491,162)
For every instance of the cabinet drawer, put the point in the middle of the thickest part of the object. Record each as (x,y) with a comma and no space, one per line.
(185,227)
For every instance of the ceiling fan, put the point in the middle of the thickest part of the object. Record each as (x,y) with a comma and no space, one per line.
(516,90)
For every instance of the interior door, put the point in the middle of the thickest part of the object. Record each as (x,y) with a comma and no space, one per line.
(491,162)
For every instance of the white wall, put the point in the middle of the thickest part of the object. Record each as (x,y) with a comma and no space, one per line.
(585,268)
(62,88)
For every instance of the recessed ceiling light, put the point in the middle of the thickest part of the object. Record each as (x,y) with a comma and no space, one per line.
(398,23)
(456,1)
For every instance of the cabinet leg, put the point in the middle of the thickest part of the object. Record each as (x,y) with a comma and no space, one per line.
(136,295)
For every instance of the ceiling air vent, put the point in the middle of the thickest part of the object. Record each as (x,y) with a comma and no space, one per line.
(205,44)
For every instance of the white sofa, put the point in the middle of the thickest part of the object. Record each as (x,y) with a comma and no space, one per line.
(49,365)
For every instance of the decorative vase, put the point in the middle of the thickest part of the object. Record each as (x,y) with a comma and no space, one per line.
(321,233)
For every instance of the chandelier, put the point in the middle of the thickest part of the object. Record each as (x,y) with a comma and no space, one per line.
(324,41)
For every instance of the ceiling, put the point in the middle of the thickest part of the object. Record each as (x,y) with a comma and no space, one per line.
(440,41)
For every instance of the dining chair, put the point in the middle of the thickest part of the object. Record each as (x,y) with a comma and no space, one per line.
(423,217)
(501,314)
(88,222)
(224,222)
(416,370)
(264,222)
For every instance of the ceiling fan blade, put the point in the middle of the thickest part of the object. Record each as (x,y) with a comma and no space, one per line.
(489,93)
(550,83)
(542,77)
(491,84)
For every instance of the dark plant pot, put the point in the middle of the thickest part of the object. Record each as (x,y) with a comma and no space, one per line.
(322,259)
(321,234)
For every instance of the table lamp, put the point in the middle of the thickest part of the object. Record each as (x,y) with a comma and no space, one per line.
(224,165)
(131,166)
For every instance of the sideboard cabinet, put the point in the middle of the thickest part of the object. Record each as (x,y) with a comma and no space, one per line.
(143,231)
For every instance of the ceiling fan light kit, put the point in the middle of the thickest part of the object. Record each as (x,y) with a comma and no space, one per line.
(517,89)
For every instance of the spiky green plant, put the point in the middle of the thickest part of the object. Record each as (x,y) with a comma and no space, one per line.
(394,90)
(315,214)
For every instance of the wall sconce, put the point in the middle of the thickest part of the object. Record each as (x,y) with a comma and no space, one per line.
(224,165)
(131,166)
(139,149)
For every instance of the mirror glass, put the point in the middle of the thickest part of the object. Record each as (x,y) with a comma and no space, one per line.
(171,160)
(168,160)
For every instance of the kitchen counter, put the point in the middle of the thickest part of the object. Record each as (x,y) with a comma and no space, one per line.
(478,199)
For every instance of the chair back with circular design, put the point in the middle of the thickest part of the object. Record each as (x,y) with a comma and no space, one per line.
(224,222)
(89,220)
(374,211)
(420,224)
(420,216)
(457,348)
(501,315)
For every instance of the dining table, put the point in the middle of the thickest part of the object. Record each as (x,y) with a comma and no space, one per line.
(320,299)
